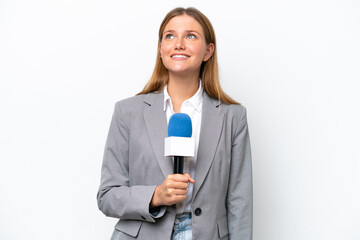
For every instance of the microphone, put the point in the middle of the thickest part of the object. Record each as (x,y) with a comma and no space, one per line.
(179,143)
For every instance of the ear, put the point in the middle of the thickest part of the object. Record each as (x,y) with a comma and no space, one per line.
(159,49)
(209,52)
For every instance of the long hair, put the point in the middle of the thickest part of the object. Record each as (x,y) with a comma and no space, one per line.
(209,72)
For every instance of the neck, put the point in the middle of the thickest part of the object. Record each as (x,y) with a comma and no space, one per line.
(181,89)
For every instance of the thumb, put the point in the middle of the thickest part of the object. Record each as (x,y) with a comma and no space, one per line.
(189,177)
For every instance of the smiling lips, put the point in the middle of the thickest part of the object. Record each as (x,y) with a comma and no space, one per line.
(179,56)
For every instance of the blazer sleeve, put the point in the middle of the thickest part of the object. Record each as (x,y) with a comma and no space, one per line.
(115,197)
(240,194)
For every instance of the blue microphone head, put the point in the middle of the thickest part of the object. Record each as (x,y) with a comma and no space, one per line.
(180,125)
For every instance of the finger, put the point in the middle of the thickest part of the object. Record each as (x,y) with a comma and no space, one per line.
(177,185)
(179,192)
(174,199)
(178,177)
(178,198)
(190,179)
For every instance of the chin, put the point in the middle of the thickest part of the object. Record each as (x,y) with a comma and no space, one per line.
(182,70)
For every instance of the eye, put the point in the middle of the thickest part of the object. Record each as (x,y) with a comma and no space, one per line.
(169,36)
(191,36)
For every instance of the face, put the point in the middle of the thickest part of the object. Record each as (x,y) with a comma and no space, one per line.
(183,47)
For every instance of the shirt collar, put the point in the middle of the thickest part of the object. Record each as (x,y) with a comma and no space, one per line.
(195,100)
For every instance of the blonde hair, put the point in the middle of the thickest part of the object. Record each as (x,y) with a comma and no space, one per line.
(209,72)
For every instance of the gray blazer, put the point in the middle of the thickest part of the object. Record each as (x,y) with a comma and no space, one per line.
(134,164)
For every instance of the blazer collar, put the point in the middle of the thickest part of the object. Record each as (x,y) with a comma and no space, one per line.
(156,126)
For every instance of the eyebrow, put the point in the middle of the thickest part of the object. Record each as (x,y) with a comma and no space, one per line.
(171,31)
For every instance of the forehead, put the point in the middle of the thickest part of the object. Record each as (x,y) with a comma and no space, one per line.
(183,23)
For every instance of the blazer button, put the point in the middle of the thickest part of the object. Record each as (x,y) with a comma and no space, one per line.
(198,211)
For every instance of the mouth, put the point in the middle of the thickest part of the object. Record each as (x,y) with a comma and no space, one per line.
(180,56)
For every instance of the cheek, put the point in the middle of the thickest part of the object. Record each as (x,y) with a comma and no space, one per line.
(199,50)
(164,48)
(199,47)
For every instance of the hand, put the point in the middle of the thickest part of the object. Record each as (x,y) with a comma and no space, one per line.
(172,190)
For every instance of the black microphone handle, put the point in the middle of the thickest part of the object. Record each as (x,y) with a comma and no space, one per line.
(178,164)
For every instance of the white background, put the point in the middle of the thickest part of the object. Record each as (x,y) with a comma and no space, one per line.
(293,64)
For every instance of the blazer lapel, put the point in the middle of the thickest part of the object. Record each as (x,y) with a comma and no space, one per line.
(211,127)
(156,126)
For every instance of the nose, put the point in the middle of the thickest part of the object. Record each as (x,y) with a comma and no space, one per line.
(179,44)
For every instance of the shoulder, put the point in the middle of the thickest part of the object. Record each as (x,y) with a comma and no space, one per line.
(235,114)
(236,109)
(235,118)
(136,103)
(129,103)
(231,111)
(224,107)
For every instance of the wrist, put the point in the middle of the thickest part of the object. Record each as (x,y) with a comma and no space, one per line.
(155,199)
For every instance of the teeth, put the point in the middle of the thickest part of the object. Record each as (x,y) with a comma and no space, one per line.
(180,56)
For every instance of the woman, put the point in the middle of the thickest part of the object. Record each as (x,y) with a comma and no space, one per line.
(213,200)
